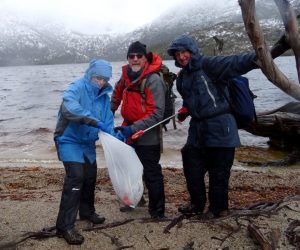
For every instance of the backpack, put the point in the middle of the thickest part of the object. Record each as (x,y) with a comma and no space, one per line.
(241,100)
(168,78)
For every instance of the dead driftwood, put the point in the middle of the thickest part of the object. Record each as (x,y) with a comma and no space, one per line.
(44,233)
(282,126)
(258,235)
(265,61)
(257,209)
(254,210)
(51,232)
(292,234)
(110,225)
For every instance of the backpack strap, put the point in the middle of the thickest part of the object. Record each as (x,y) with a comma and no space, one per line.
(142,88)
(143,84)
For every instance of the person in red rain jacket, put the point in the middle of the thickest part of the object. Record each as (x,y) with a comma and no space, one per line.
(141,108)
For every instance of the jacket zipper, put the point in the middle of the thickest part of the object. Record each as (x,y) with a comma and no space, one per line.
(209,92)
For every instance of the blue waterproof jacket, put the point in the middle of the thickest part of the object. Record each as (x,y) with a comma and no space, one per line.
(84,106)
(201,83)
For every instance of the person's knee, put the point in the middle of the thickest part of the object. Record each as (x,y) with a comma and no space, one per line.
(153,176)
(75,176)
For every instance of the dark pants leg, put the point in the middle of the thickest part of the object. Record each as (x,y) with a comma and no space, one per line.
(153,177)
(70,198)
(87,199)
(78,193)
(219,161)
(194,168)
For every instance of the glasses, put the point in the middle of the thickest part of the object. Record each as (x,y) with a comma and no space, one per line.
(132,56)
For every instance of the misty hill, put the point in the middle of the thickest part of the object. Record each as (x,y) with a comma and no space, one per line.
(23,42)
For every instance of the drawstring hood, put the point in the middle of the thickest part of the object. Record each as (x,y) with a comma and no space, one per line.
(182,43)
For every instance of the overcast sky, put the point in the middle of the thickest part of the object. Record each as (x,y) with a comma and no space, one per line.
(92,16)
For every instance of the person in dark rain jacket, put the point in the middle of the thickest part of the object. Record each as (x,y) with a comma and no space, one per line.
(213,133)
(84,111)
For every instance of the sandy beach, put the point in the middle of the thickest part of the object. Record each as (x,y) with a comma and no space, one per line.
(30,195)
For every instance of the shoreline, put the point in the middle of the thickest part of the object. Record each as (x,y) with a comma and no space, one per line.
(171,157)
(29,201)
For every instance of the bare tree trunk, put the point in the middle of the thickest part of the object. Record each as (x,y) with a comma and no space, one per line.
(266,62)
(291,26)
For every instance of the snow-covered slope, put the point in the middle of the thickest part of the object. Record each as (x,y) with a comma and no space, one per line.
(34,42)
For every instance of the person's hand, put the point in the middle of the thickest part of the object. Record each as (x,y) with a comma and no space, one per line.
(102,127)
(125,130)
(183,113)
(119,136)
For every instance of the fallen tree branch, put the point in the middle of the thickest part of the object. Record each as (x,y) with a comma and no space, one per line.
(115,241)
(154,220)
(268,67)
(258,209)
(51,232)
(257,234)
(125,247)
(291,26)
(232,230)
(110,225)
(173,223)
(292,235)
(275,236)
(44,233)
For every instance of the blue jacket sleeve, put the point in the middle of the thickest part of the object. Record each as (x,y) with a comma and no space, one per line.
(224,67)
(73,110)
(108,120)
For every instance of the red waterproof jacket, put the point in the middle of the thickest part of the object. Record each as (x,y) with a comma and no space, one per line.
(142,110)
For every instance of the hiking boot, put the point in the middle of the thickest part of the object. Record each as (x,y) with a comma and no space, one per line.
(158,217)
(94,218)
(210,215)
(71,236)
(207,216)
(190,209)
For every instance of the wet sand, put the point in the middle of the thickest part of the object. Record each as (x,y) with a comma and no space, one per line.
(29,201)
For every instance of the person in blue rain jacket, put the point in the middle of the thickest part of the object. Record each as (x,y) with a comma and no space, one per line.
(213,133)
(84,111)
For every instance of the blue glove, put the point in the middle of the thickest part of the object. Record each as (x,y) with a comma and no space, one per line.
(119,136)
(102,127)
(125,130)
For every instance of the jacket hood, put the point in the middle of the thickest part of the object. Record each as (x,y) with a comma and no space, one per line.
(152,65)
(183,42)
(99,67)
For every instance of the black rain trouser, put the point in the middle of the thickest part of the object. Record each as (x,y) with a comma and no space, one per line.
(153,177)
(78,193)
(217,162)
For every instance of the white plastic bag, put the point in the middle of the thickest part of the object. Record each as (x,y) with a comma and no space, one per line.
(124,168)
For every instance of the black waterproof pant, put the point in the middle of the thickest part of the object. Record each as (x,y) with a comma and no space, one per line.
(153,178)
(78,193)
(217,162)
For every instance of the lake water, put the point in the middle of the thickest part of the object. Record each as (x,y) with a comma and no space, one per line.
(30,97)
